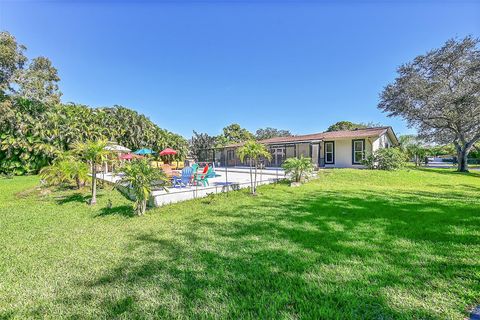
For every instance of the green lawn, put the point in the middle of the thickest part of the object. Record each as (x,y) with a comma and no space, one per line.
(353,244)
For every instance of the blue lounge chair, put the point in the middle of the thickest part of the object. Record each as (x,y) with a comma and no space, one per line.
(185,179)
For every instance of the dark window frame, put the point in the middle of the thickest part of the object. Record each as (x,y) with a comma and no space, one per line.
(231,152)
(325,152)
(363,151)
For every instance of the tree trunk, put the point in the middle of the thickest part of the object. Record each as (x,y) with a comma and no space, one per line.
(79,183)
(251,178)
(143,207)
(94,184)
(462,160)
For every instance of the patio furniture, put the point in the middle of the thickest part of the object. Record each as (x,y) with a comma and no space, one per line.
(185,179)
(177,165)
(144,151)
(202,177)
(194,168)
(168,171)
(211,173)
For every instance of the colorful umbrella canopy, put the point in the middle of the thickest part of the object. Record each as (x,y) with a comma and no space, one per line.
(129,156)
(144,151)
(168,151)
(117,148)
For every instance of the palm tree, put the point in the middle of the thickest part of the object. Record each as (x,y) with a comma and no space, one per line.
(253,151)
(93,151)
(298,168)
(139,176)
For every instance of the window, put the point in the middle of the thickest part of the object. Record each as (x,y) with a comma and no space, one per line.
(358,150)
(230,154)
(329,152)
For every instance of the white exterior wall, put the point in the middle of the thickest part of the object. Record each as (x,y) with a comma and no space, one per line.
(343,153)
(381,142)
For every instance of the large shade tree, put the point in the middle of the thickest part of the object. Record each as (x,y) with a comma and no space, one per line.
(439,94)
(12,59)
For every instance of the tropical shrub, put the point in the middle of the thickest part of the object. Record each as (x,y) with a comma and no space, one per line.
(253,151)
(140,177)
(298,168)
(386,159)
(65,172)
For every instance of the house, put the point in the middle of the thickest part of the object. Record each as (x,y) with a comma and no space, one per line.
(336,149)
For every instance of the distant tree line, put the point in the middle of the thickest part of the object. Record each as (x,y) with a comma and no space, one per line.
(35,127)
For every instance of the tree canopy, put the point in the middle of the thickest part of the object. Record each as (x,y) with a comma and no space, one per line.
(201,142)
(348,125)
(267,133)
(439,94)
(234,133)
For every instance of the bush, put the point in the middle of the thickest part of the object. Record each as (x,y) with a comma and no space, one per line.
(139,176)
(386,159)
(298,168)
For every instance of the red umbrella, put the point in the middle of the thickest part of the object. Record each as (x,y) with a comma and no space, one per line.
(129,156)
(167,151)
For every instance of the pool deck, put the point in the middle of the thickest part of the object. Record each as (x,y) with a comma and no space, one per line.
(238,178)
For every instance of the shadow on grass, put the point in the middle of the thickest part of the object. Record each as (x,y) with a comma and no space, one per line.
(125,210)
(316,254)
(74,197)
(449,171)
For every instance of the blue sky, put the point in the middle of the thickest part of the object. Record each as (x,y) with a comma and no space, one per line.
(205,64)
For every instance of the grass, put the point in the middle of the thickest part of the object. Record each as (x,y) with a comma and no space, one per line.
(353,244)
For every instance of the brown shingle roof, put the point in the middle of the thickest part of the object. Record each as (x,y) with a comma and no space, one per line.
(358,133)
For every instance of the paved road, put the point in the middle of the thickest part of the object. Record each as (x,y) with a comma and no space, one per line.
(444,165)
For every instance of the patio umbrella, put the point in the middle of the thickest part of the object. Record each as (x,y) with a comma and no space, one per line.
(129,156)
(167,152)
(144,151)
(117,148)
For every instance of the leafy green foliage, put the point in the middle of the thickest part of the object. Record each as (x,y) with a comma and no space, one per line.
(345,125)
(235,134)
(414,148)
(32,135)
(65,171)
(39,82)
(267,133)
(200,143)
(139,177)
(298,168)
(12,58)
(386,159)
